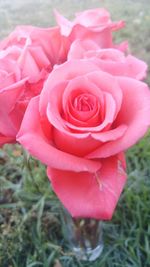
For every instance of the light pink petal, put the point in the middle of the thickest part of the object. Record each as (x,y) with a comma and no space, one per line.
(134,113)
(9,73)
(74,145)
(28,65)
(54,107)
(114,62)
(79,47)
(115,26)
(32,61)
(53,44)
(93,17)
(32,137)
(109,60)
(11,93)
(90,195)
(18,36)
(122,46)
(49,39)
(64,24)
(54,110)
(110,134)
(102,37)
(17,113)
(94,24)
(109,84)
(11,52)
(76,87)
(99,78)
(6,79)
(107,55)
(136,67)
(63,73)
(109,116)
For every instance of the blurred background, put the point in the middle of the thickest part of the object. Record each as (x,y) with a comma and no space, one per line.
(136,13)
(30,223)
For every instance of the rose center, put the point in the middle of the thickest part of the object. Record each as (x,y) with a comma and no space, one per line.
(84,102)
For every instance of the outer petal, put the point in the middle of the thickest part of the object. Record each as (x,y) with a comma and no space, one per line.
(136,67)
(12,93)
(110,60)
(92,19)
(32,61)
(115,63)
(134,113)
(50,39)
(32,137)
(94,24)
(74,145)
(102,37)
(97,17)
(109,135)
(92,195)
(79,47)
(64,24)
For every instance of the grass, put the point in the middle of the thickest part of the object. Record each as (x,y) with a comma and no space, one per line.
(30,222)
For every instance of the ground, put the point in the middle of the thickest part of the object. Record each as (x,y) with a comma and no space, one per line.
(30,224)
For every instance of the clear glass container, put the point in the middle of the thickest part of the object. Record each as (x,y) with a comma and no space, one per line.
(84,236)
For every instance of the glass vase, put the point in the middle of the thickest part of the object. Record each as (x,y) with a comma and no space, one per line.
(84,236)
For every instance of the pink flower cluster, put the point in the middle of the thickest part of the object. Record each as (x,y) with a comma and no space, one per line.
(74,100)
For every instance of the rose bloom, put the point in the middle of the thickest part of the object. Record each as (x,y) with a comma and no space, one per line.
(110,59)
(79,127)
(92,24)
(27,56)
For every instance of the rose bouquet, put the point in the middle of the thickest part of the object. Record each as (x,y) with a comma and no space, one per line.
(75,101)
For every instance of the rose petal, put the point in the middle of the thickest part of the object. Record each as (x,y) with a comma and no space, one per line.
(54,112)
(65,24)
(136,67)
(50,39)
(32,61)
(109,84)
(63,73)
(134,113)
(12,93)
(117,64)
(33,139)
(111,134)
(73,145)
(79,47)
(76,87)
(90,195)
(97,17)
(101,36)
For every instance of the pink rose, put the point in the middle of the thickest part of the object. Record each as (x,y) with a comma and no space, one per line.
(79,127)
(27,53)
(110,60)
(35,50)
(94,24)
